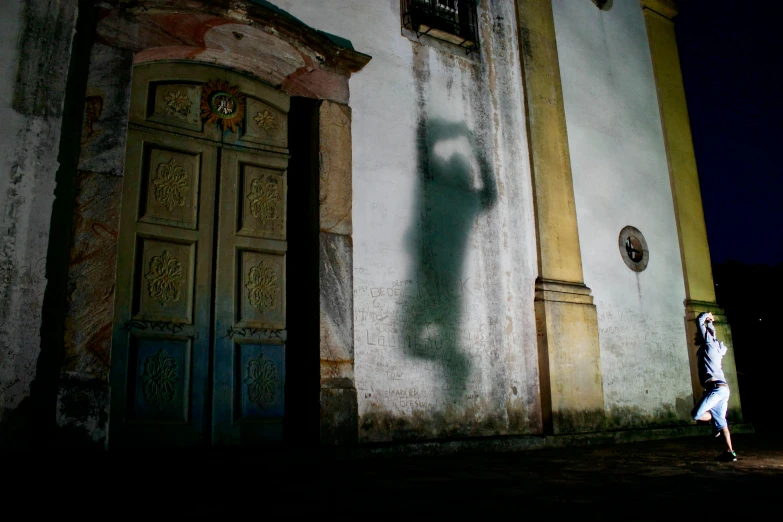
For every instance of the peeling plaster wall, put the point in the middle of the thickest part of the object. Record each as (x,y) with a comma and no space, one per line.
(444,244)
(35,47)
(621,178)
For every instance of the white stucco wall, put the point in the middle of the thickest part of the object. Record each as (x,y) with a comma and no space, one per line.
(443,266)
(35,43)
(621,178)
(16,368)
(10,25)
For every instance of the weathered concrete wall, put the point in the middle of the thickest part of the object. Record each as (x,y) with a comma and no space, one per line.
(444,245)
(35,48)
(621,178)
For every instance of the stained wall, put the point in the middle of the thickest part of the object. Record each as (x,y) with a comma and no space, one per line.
(444,245)
(35,49)
(444,249)
(621,179)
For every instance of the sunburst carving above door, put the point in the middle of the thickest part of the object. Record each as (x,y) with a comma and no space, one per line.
(222,104)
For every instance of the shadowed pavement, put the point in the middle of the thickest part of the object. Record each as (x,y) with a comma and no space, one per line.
(672,478)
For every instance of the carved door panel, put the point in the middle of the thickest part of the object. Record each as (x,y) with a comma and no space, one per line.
(160,348)
(249,364)
(199,335)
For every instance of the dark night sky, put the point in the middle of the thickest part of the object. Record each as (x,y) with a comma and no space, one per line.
(732,62)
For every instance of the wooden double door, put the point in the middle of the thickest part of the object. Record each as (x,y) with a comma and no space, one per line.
(198,349)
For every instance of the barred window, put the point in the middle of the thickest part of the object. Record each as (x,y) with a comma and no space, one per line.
(454,21)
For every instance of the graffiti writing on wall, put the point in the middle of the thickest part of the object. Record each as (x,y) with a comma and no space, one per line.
(644,356)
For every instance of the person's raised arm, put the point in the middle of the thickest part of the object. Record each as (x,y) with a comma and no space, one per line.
(702,319)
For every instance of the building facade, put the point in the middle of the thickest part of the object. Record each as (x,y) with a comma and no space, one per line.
(240,222)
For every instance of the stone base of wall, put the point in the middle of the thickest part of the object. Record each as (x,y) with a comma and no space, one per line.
(82,412)
(339,416)
(523,443)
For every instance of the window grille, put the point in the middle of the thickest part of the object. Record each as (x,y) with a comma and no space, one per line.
(452,20)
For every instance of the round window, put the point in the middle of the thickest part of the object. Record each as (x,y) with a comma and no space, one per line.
(633,249)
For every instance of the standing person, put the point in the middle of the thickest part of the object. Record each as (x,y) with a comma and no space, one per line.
(715,402)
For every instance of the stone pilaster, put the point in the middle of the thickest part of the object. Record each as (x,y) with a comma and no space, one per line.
(566,318)
(692,231)
(339,407)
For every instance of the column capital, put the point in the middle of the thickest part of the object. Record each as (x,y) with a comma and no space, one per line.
(666,8)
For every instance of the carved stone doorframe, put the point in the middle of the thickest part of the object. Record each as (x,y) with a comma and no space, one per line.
(299,61)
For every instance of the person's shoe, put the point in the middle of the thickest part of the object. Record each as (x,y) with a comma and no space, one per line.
(717,433)
(727,456)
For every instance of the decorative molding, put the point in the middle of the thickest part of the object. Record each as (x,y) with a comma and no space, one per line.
(222,104)
(262,381)
(177,103)
(335,52)
(165,278)
(262,286)
(266,121)
(563,292)
(264,198)
(171,184)
(160,379)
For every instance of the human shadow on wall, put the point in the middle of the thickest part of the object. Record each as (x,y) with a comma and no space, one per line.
(449,201)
